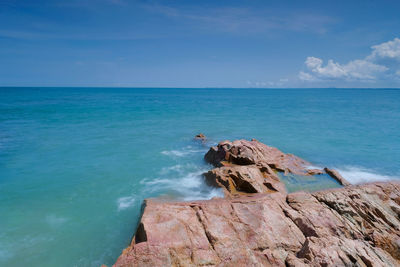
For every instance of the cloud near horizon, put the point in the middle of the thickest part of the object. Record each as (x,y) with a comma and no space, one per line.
(370,69)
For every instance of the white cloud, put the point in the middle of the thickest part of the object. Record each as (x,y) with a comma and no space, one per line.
(313,62)
(354,70)
(304,76)
(389,50)
(364,70)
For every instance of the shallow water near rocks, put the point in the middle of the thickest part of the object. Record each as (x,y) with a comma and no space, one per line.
(307,183)
(76,163)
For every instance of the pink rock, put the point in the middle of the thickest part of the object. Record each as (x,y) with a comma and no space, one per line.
(355,225)
(243,152)
(259,224)
(336,175)
(244,179)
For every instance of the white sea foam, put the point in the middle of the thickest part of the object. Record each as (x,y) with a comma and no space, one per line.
(189,180)
(175,168)
(181,153)
(174,153)
(188,186)
(213,192)
(312,167)
(125,202)
(183,181)
(358,175)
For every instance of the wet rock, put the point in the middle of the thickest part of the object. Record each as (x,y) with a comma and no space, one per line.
(315,172)
(336,175)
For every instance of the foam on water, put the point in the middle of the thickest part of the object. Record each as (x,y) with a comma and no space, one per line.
(125,202)
(190,185)
(175,168)
(175,153)
(183,152)
(312,167)
(358,175)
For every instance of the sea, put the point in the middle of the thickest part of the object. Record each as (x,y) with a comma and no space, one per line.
(77,163)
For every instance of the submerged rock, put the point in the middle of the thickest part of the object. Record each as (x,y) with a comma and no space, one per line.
(259,224)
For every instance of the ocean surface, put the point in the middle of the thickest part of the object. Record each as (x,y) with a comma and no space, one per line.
(76,163)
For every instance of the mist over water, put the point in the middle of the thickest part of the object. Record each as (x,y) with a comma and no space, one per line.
(76,163)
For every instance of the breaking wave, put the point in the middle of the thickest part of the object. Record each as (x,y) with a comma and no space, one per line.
(183,184)
(358,175)
(183,152)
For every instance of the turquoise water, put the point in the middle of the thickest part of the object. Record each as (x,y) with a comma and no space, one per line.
(308,183)
(75,164)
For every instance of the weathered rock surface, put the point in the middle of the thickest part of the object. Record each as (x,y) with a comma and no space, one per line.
(250,167)
(351,226)
(336,175)
(243,152)
(259,224)
(236,180)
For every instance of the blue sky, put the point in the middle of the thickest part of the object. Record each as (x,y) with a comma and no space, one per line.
(200,43)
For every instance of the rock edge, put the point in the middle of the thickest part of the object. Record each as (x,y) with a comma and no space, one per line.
(259,224)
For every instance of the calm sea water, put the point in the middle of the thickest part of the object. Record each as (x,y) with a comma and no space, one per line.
(76,164)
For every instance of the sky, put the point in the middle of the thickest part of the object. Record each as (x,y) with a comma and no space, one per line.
(203,43)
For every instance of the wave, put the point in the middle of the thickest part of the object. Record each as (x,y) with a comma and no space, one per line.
(188,186)
(125,202)
(358,175)
(313,167)
(178,169)
(184,152)
(175,153)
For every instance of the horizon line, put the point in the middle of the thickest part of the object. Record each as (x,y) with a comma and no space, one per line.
(208,87)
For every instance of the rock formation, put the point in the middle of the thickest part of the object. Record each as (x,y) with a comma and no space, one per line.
(337,176)
(259,224)
(200,137)
(251,166)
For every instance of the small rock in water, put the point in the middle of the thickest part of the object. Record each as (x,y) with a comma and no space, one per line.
(200,136)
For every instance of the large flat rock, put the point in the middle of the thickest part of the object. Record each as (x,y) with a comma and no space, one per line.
(351,226)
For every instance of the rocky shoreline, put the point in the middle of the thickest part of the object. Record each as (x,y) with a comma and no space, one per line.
(258,223)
